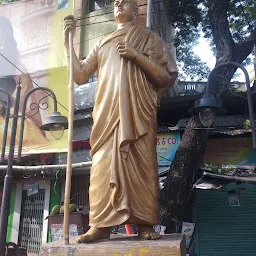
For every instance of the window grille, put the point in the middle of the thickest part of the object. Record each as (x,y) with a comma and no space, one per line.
(31,222)
(79,191)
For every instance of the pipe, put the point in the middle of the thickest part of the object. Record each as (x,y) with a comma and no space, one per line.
(47,167)
(149,12)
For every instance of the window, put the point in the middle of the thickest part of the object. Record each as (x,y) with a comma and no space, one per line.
(95,5)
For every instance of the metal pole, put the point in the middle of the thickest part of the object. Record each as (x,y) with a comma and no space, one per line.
(6,123)
(70,145)
(149,12)
(250,106)
(8,177)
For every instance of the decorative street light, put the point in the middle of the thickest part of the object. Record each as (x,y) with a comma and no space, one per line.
(54,122)
(208,105)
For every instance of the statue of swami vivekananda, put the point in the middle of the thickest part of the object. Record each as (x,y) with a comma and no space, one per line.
(134,67)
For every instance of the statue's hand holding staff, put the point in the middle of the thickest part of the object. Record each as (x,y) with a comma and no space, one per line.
(126,51)
(69,26)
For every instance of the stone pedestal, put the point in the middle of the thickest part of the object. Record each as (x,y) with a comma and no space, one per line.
(126,245)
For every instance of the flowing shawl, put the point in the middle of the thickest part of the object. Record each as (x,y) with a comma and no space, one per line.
(124,185)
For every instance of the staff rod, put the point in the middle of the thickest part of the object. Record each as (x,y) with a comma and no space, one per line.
(70,144)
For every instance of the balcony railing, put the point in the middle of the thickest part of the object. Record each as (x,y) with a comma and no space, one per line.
(84,94)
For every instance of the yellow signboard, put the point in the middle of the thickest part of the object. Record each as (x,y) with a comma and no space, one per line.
(31,50)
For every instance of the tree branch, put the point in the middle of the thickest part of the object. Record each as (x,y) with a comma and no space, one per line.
(220,30)
(243,49)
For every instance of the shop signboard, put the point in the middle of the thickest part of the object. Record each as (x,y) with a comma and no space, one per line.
(167,145)
(230,151)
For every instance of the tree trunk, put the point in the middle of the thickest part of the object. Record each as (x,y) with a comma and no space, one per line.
(178,185)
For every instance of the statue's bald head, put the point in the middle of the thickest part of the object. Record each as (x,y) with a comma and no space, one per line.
(134,2)
(125,10)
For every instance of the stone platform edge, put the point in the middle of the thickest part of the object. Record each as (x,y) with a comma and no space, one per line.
(119,245)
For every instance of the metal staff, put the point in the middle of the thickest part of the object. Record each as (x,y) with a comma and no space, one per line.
(70,149)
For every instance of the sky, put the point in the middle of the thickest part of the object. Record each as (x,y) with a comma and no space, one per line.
(203,50)
(207,56)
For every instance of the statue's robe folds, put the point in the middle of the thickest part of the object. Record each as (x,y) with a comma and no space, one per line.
(124,185)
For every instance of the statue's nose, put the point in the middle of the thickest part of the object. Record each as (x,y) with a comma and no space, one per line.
(120,3)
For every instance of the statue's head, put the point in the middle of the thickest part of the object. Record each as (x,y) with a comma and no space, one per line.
(125,10)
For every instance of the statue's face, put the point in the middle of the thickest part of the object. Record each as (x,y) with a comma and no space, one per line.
(124,10)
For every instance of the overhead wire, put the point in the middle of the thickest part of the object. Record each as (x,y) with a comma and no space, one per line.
(27,76)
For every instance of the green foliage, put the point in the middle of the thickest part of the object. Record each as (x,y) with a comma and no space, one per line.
(189,17)
(247,124)
(215,168)
(241,18)
(186,17)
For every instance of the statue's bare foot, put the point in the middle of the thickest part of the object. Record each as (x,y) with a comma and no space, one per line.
(93,235)
(147,232)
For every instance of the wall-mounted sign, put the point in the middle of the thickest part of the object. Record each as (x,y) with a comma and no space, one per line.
(188,230)
(167,145)
(33,189)
(56,231)
(233,198)
(230,151)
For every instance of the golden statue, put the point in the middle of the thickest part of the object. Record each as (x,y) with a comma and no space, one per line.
(134,67)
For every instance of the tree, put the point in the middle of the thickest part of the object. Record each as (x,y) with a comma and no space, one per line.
(186,17)
(231,27)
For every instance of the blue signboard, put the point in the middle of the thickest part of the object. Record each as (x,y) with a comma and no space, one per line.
(167,145)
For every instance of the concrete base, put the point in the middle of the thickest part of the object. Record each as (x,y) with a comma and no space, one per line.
(119,245)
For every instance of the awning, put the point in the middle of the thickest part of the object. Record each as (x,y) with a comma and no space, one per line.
(216,181)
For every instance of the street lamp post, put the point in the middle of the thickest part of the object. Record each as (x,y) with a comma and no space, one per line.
(7,114)
(208,105)
(60,122)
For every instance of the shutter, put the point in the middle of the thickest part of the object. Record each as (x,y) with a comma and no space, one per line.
(223,230)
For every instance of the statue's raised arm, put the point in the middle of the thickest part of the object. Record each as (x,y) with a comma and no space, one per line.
(83,70)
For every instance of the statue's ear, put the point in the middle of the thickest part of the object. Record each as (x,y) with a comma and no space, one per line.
(136,12)
(136,9)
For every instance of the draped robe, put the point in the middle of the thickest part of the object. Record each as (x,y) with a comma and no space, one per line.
(124,185)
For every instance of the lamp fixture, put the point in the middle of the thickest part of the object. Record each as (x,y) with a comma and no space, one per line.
(207,107)
(56,124)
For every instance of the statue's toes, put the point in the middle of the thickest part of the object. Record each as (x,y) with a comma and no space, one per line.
(79,240)
(147,236)
(84,239)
